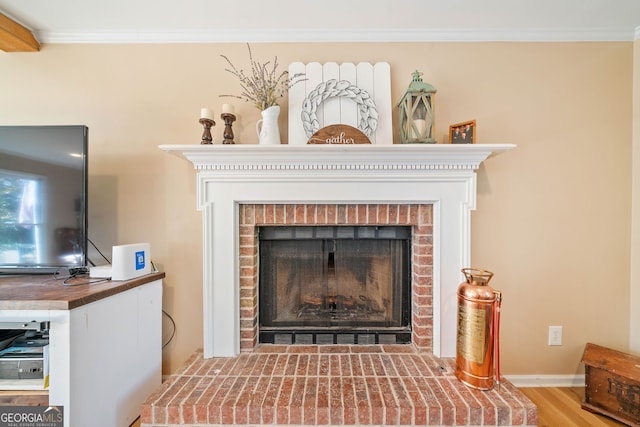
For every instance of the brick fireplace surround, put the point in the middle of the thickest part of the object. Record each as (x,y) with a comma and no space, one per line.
(417,216)
(236,381)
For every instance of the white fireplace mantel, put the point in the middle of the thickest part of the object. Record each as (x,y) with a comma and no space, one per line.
(255,158)
(228,175)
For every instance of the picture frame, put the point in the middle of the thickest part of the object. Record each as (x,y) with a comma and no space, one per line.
(463,133)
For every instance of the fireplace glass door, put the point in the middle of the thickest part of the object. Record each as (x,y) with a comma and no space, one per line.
(334,281)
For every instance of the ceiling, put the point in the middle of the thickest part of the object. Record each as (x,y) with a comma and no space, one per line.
(174,21)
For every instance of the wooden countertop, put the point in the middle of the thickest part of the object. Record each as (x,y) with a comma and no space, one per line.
(45,292)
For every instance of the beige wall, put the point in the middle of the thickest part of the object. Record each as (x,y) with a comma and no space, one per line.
(634,334)
(553,218)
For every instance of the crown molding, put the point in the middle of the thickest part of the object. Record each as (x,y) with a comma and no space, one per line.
(332,35)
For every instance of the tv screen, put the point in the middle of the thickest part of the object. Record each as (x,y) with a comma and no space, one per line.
(43,198)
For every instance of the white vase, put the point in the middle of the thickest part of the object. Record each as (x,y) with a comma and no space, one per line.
(267,127)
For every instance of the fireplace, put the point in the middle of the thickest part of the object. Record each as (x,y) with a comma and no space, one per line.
(326,196)
(336,232)
(334,284)
(305,182)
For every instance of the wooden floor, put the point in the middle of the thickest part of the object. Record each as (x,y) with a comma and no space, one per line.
(561,407)
(557,407)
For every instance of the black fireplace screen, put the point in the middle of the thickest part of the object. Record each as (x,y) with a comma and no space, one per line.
(338,278)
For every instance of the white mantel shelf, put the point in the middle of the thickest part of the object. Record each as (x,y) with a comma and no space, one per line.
(253,157)
(443,175)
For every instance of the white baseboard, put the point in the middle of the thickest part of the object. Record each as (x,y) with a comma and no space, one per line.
(546,380)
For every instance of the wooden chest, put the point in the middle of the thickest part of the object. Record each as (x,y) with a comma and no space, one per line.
(612,384)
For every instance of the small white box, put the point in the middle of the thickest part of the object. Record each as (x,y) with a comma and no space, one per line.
(100,272)
(130,261)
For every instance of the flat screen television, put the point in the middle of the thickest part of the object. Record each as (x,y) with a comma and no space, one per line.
(43,199)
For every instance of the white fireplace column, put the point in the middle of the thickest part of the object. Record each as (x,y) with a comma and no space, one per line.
(229,175)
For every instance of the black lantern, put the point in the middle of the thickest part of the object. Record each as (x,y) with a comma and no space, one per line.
(416,112)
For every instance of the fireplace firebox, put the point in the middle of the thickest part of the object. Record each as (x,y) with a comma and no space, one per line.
(334,284)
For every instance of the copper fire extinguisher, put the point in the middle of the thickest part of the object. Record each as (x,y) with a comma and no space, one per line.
(477,349)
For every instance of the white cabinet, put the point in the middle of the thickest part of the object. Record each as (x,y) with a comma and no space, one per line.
(105,356)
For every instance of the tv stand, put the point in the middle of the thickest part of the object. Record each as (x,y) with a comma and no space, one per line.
(105,343)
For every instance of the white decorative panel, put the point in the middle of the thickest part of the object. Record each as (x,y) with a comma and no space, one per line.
(356,95)
(295,110)
(331,106)
(348,108)
(382,73)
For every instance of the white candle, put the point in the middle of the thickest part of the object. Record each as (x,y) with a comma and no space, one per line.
(206,113)
(228,109)
(420,127)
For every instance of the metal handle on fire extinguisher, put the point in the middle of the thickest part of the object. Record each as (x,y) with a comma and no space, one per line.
(496,335)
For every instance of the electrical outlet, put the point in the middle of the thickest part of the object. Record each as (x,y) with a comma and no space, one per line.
(555,335)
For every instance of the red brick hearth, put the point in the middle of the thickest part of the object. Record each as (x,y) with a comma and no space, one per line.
(330,385)
(274,385)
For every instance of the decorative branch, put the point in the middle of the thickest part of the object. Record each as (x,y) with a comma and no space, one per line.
(264,86)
